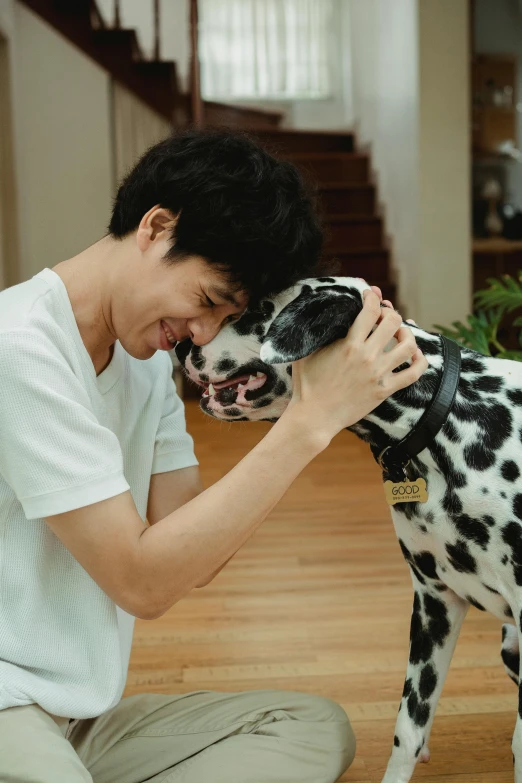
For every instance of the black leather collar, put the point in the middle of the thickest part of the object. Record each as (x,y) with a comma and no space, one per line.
(394,459)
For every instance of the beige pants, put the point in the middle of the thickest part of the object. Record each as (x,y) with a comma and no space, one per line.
(202,737)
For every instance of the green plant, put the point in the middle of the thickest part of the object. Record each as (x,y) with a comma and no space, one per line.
(480,332)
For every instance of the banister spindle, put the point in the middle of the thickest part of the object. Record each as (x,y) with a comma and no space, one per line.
(157,44)
(117,14)
(195,86)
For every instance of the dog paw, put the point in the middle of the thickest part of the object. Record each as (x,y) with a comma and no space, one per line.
(424,755)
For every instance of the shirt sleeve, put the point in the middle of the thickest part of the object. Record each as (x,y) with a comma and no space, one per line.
(54,453)
(174,447)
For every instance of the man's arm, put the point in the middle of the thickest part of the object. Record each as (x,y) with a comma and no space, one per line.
(171,490)
(145,570)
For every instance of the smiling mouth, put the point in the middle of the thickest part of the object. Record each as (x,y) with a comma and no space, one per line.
(168,334)
(241,384)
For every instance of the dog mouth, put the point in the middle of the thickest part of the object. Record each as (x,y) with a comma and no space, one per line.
(240,384)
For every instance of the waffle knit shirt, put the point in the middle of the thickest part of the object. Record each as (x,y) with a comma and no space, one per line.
(69,439)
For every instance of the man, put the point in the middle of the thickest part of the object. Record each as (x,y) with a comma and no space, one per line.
(101,510)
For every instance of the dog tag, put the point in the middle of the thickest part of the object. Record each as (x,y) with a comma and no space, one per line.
(406,491)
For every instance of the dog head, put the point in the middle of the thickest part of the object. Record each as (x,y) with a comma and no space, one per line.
(245,371)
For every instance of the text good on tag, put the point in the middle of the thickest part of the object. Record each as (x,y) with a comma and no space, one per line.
(406,491)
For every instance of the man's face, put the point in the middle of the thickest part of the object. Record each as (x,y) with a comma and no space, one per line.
(161,303)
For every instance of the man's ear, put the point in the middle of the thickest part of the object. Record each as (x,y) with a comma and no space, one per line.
(312,320)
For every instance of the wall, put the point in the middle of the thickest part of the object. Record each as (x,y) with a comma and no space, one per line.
(63,143)
(444,284)
(410,98)
(498,30)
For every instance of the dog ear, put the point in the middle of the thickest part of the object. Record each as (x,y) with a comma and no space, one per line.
(312,320)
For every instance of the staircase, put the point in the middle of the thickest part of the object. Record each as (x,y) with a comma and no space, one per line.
(155,81)
(355,230)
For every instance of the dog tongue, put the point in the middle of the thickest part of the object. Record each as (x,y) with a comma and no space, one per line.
(231,382)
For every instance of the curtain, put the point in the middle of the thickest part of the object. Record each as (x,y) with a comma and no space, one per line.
(265,48)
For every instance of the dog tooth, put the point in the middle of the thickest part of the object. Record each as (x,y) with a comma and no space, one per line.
(252,378)
(259,375)
(240,385)
(211,389)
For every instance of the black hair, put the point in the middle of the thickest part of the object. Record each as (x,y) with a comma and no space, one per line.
(239,207)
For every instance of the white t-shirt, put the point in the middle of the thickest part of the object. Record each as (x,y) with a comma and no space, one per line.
(69,439)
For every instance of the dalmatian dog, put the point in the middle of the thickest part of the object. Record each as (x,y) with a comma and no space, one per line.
(464,545)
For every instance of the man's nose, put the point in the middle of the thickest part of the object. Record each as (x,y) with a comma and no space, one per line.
(202,334)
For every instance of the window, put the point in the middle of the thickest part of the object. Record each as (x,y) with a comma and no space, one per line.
(265,49)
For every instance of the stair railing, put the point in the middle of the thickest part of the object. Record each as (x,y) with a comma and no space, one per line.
(196,102)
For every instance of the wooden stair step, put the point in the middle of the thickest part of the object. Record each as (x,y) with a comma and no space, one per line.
(371,263)
(121,43)
(353,231)
(356,198)
(291,141)
(331,167)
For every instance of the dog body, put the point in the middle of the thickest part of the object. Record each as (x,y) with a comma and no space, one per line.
(464,545)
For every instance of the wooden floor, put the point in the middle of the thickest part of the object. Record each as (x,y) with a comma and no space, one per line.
(319,601)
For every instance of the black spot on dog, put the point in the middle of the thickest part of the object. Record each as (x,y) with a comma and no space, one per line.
(387,411)
(203,377)
(407,688)
(326,279)
(417,752)
(485,490)
(517,506)
(423,637)
(262,403)
(419,712)
(508,612)
(427,681)
(473,529)
(478,457)
(425,563)
(182,350)
(232,412)
(451,503)
(503,495)
(488,383)
(488,520)
(509,470)
(505,559)
(248,322)
(469,364)
(225,365)
(474,603)
(451,432)
(461,558)
(512,536)
(500,426)
(280,388)
(396,741)
(428,347)
(430,519)
(515,396)
(289,370)
(198,360)
(491,589)
(511,660)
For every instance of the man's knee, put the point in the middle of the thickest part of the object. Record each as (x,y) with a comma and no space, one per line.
(329,729)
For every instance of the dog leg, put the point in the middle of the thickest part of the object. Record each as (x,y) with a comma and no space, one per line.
(509,644)
(510,652)
(435,626)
